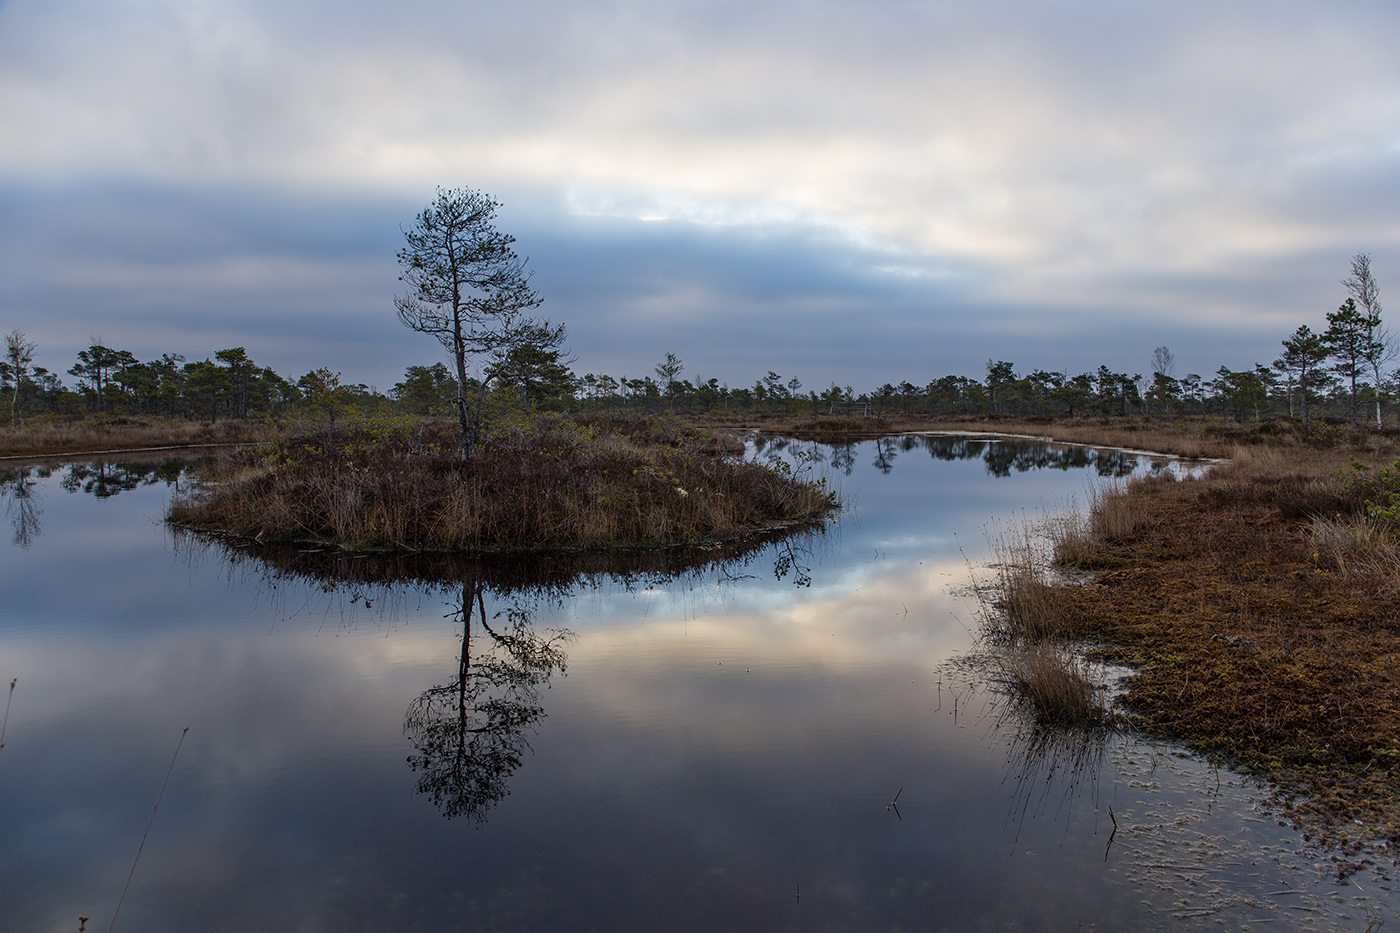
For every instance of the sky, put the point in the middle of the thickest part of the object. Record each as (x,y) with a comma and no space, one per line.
(836,191)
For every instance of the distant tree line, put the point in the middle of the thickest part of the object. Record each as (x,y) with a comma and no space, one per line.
(109,381)
(1341,371)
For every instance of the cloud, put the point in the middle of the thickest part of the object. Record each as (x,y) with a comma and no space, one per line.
(1078,172)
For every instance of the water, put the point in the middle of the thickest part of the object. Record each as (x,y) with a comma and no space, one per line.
(792,738)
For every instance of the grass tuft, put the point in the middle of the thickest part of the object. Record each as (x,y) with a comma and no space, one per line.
(1055,684)
(1022,604)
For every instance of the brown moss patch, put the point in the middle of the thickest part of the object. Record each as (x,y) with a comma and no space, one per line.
(1250,647)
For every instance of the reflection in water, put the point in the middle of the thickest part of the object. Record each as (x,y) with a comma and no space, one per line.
(23,507)
(469,735)
(1046,764)
(1042,759)
(884,454)
(1003,456)
(105,480)
(19,487)
(722,741)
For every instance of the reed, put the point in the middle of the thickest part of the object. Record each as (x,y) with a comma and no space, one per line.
(1021,603)
(1116,511)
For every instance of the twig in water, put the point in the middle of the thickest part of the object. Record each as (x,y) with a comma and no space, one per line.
(7,712)
(148,829)
(1109,848)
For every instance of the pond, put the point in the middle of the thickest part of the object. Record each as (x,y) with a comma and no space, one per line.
(778,735)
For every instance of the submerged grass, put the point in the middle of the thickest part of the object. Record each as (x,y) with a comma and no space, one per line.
(546,481)
(1021,604)
(1055,683)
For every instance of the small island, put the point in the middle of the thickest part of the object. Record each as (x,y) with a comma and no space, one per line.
(551,481)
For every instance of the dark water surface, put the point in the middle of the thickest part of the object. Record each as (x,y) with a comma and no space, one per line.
(655,744)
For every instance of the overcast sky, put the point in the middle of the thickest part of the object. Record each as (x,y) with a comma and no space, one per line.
(838,191)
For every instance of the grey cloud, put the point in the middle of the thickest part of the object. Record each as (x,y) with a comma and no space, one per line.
(305,281)
(1012,179)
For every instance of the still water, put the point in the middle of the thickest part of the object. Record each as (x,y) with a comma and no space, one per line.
(786,735)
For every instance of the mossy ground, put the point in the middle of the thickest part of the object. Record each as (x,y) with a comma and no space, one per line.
(1251,645)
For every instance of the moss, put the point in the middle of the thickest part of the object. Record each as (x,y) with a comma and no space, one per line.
(1244,650)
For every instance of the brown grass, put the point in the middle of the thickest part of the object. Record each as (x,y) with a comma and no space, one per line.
(51,437)
(1030,627)
(1054,683)
(1021,604)
(620,480)
(1115,512)
(1258,606)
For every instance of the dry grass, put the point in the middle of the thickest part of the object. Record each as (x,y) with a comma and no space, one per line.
(1030,627)
(1258,607)
(1022,604)
(1054,683)
(1360,547)
(48,437)
(622,480)
(1116,511)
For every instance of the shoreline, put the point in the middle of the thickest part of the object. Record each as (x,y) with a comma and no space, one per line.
(1249,643)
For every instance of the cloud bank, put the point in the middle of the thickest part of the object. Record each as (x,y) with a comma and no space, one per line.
(852,193)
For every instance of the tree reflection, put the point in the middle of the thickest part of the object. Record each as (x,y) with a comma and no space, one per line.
(105,479)
(469,735)
(884,454)
(1003,457)
(843,457)
(20,489)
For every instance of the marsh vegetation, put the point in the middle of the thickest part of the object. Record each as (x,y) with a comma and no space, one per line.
(544,481)
(1256,606)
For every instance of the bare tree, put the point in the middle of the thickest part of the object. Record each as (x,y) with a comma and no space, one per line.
(19,354)
(470,290)
(1378,348)
(1163,362)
